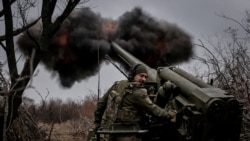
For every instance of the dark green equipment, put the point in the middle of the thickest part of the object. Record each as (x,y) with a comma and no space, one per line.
(205,113)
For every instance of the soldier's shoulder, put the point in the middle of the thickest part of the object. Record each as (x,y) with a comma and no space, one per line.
(120,85)
(121,82)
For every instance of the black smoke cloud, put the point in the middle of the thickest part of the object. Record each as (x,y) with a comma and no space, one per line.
(85,35)
(155,43)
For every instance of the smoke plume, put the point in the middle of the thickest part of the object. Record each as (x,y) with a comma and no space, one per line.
(84,37)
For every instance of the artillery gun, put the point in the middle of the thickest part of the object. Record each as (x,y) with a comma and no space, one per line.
(205,113)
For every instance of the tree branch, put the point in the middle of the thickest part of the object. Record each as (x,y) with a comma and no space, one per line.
(49,28)
(9,40)
(231,19)
(3,46)
(20,30)
(70,6)
(2,11)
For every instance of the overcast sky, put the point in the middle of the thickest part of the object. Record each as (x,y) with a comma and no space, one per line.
(196,17)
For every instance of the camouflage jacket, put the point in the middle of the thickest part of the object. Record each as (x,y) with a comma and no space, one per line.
(126,102)
(102,104)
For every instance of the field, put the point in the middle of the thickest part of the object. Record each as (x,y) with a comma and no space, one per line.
(62,132)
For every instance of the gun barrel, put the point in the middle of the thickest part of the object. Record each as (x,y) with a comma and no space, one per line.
(131,60)
(184,84)
(191,78)
(203,105)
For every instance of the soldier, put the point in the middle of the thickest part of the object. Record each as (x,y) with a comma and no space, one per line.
(126,102)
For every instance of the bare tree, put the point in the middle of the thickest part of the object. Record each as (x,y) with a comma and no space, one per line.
(19,81)
(4,86)
(228,63)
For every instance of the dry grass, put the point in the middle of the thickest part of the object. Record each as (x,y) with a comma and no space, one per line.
(62,132)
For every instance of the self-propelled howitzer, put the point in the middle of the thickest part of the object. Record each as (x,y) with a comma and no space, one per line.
(205,113)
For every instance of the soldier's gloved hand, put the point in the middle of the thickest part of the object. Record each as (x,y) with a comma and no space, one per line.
(173,115)
(97,126)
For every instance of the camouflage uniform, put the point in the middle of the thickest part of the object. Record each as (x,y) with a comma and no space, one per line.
(107,102)
(126,103)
